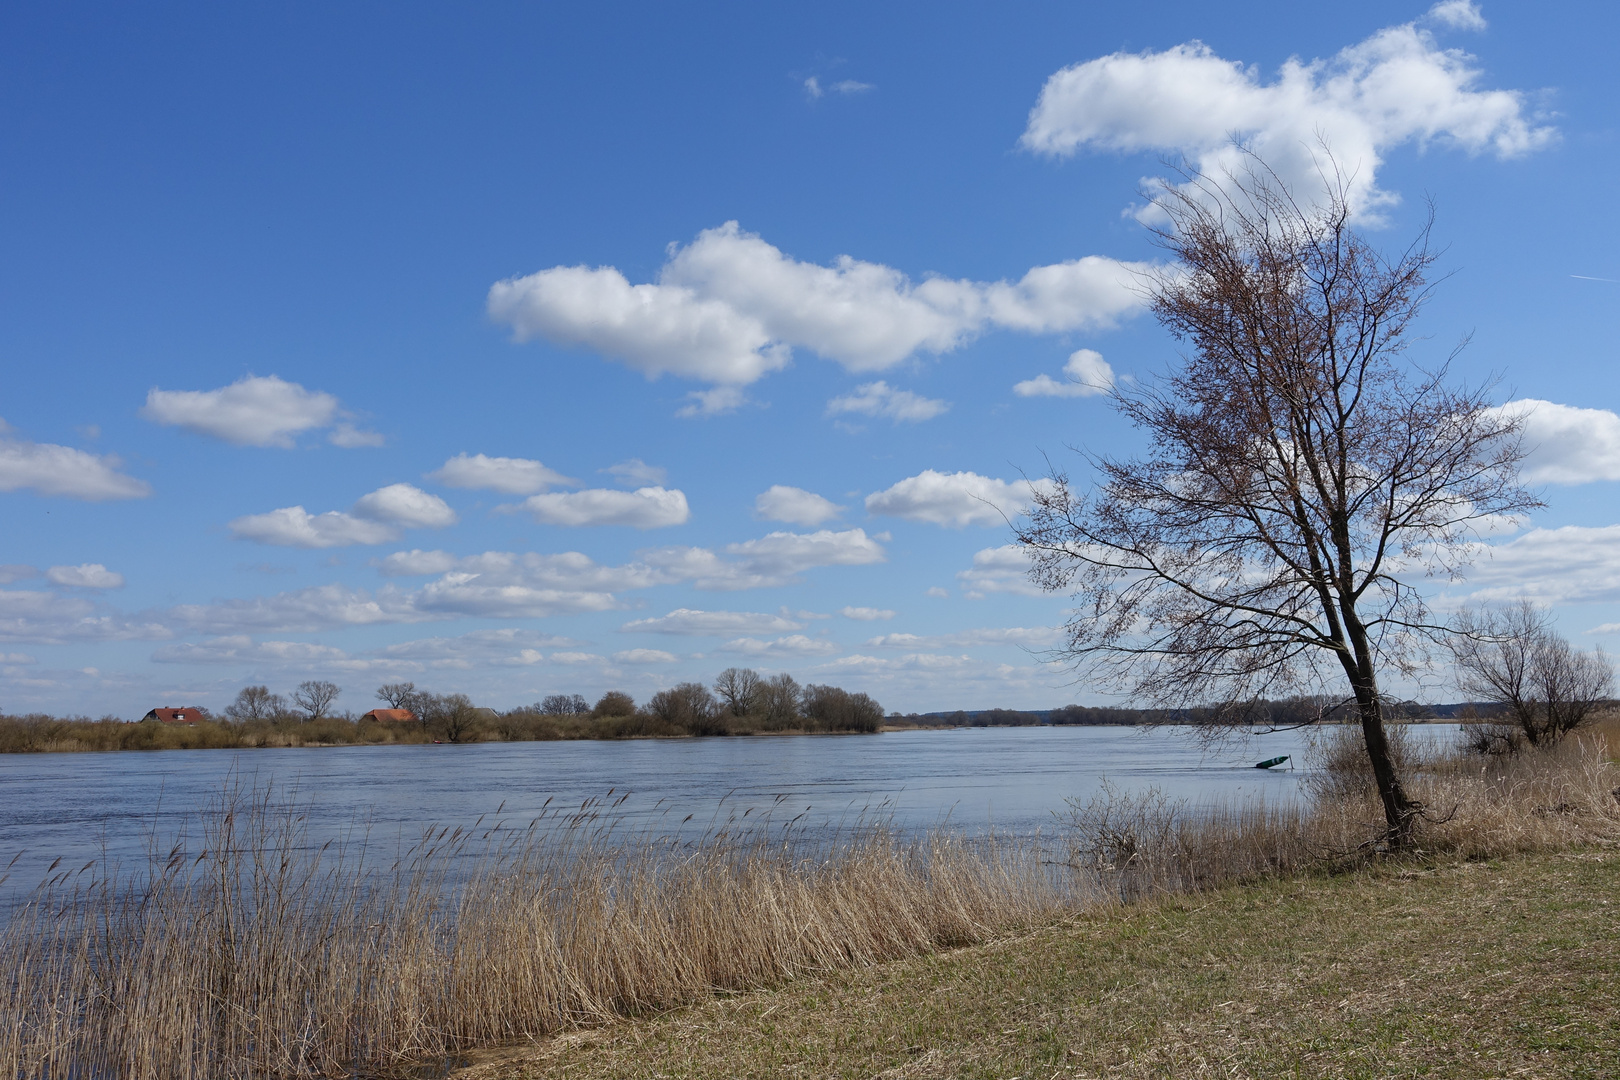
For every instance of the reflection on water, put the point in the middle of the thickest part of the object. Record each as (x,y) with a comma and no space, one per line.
(74,805)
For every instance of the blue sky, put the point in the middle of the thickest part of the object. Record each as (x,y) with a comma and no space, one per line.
(514,350)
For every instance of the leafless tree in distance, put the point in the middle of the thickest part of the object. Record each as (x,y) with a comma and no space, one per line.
(1301,473)
(315,696)
(255,703)
(739,688)
(1513,658)
(399,695)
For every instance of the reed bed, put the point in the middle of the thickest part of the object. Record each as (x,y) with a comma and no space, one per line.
(244,950)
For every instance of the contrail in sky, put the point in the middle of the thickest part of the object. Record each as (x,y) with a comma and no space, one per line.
(1583,277)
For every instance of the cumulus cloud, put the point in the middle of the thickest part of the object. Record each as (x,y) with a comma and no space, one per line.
(881,399)
(777,558)
(814,89)
(376,519)
(509,476)
(637,473)
(242,649)
(52,618)
(301,611)
(85,576)
(293,526)
(702,404)
(1572,564)
(416,563)
(953,499)
(1085,375)
(1458,14)
(1024,636)
(1003,569)
(255,411)
(507,647)
(1396,87)
(792,645)
(795,506)
(866,614)
(50,469)
(10,572)
(729,308)
(406,506)
(694,623)
(644,656)
(643,508)
(1566,444)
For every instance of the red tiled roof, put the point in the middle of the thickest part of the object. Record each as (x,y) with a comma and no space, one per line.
(386,715)
(175,716)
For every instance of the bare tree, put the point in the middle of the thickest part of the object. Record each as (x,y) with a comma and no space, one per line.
(1301,473)
(562,705)
(256,703)
(739,688)
(615,703)
(1513,658)
(779,699)
(453,716)
(314,696)
(689,705)
(400,695)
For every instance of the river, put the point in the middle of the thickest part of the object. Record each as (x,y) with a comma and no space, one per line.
(77,806)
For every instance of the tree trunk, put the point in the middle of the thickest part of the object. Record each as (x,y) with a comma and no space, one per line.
(1400,810)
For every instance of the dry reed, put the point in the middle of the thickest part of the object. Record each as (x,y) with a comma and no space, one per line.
(248,952)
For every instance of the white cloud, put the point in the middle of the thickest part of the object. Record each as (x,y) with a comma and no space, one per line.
(637,473)
(1567,445)
(376,519)
(1003,569)
(51,618)
(319,607)
(1087,374)
(643,508)
(813,88)
(490,596)
(416,563)
(728,308)
(795,506)
(242,649)
(644,656)
(1458,14)
(346,436)
(881,399)
(778,557)
(293,526)
(694,623)
(85,576)
(1025,636)
(406,506)
(10,572)
(702,404)
(255,411)
(507,647)
(1396,87)
(866,614)
(792,645)
(953,499)
(509,476)
(575,658)
(1572,564)
(61,470)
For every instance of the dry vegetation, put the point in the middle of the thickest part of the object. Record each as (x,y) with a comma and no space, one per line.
(243,952)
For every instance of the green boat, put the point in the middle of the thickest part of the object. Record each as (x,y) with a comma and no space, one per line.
(1271,763)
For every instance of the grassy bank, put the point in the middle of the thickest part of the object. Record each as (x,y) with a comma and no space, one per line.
(242,950)
(1442,968)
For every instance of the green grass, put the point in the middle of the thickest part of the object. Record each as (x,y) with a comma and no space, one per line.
(1459,969)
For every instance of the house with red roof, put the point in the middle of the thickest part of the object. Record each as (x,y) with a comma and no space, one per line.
(390,716)
(187,716)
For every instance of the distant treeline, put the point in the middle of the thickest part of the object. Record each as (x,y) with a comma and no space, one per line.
(1291,712)
(741,702)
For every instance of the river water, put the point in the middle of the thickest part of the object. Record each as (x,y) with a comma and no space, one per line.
(79,806)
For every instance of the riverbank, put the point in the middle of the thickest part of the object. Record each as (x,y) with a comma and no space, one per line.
(1433,967)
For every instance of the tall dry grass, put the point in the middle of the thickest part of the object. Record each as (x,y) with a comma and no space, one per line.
(245,951)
